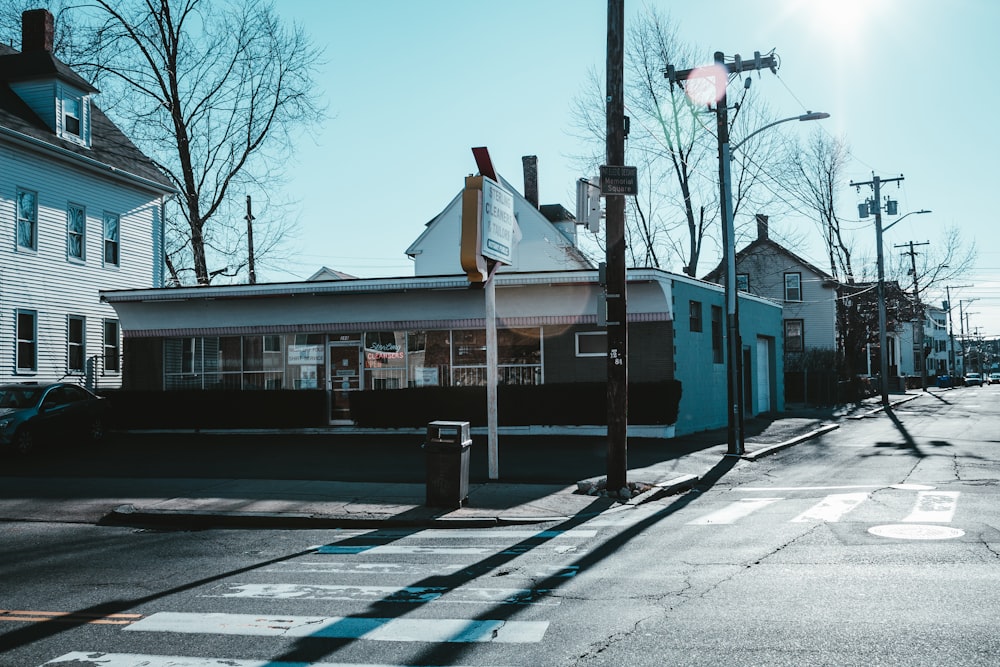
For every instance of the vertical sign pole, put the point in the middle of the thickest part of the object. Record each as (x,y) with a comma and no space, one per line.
(615,230)
(491,377)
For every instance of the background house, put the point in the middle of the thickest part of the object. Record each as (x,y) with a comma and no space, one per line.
(80,211)
(808,296)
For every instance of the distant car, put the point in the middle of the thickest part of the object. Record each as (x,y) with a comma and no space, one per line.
(994,378)
(32,414)
(973,380)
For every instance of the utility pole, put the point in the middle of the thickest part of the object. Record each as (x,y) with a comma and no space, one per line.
(951,328)
(250,219)
(721,71)
(875,183)
(920,309)
(617,464)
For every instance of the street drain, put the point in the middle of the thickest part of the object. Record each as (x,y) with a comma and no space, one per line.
(916,532)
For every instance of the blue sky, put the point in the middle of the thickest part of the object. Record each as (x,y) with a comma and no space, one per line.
(412,86)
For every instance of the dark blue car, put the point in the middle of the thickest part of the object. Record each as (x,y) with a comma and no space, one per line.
(31,414)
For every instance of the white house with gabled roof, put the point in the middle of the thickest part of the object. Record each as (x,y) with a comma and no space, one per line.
(81,210)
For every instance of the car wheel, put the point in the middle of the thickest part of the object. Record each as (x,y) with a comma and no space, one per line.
(95,432)
(24,442)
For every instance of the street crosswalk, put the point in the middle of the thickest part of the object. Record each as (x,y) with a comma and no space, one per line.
(410,587)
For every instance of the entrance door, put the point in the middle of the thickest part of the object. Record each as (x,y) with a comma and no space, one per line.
(763,376)
(343,377)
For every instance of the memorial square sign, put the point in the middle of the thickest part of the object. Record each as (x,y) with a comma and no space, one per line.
(619,181)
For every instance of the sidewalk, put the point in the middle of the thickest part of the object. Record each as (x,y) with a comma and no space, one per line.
(203,503)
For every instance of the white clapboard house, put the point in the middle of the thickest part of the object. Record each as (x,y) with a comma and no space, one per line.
(81,210)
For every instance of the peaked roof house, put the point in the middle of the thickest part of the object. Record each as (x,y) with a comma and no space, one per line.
(807,293)
(81,209)
(547,235)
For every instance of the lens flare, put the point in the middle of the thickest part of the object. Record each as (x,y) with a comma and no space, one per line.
(706,85)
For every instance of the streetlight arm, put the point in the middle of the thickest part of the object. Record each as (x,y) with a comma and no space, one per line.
(896,222)
(810,115)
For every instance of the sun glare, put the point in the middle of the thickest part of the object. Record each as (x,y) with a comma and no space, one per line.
(841,21)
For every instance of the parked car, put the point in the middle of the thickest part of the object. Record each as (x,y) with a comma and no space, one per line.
(994,378)
(973,380)
(31,414)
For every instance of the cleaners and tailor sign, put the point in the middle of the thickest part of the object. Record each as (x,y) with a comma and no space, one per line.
(498,222)
(489,229)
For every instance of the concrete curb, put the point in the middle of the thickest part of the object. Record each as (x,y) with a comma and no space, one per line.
(771,449)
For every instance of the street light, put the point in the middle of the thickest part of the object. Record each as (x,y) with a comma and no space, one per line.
(734,351)
(882,338)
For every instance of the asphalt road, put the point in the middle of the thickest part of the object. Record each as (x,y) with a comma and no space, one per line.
(876,543)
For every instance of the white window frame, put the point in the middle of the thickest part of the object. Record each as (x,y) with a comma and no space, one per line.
(112,350)
(792,290)
(79,346)
(31,340)
(582,334)
(112,240)
(71,233)
(26,218)
(68,99)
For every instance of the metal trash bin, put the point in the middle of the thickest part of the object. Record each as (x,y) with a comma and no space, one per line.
(447,455)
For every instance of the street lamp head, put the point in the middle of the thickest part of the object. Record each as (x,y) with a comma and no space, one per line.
(814,115)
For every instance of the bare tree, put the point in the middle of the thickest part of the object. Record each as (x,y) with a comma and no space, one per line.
(672,141)
(211,90)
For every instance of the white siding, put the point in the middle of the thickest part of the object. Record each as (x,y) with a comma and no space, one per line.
(41,97)
(48,281)
(542,246)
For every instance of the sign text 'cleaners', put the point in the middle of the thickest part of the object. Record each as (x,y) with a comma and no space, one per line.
(498,222)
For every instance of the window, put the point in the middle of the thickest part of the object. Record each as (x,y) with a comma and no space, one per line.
(76,225)
(695,314)
(793,287)
(111,354)
(743,282)
(111,238)
(73,122)
(794,336)
(27,341)
(716,334)
(72,112)
(592,344)
(76,343)
(27,219)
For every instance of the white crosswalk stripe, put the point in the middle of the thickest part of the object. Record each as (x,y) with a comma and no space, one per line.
(929,507)
(934,507)
(344,627)
(413,594)
(97,659)
(734,511)
(433,570)
(831,508)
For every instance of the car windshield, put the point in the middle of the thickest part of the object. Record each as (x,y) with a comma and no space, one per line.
(17,397)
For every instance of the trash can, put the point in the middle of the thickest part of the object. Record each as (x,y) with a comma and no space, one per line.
(447,454)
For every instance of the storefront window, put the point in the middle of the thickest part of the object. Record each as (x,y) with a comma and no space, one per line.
(385,360)
(519,355)
(428,355)
(306,361)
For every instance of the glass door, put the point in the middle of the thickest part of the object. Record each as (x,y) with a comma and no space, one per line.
(344,376)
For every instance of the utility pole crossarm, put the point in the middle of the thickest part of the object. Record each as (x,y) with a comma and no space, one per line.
(738,65)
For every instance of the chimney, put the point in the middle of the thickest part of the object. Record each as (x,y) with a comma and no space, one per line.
(37,30)
(761,227)
(530,164)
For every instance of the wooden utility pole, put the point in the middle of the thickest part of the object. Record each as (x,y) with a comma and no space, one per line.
(615,254)
(920,308)
(720,71)
(250,264)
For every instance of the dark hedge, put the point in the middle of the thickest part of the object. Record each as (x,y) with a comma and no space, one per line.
(654,403)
